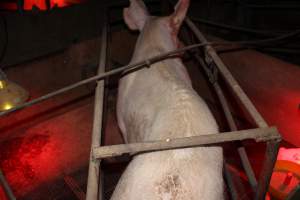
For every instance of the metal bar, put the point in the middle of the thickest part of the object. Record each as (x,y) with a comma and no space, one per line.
(74,186)
(8,191)
(94,190)
(227,173)
(228,115)
(228,77)
(258,134)
(267,169)
(272,148)
(134,66)
(229,179)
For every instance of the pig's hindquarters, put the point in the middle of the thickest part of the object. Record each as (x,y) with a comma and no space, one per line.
(182,174)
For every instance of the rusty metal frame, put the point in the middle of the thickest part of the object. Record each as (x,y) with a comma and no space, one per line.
(272,148)
(263,133)
(94,183)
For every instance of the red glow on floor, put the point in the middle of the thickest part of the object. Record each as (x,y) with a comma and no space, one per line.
(41,153)
(19,159)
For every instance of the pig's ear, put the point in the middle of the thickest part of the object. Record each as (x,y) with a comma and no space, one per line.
(136,15)
(179,14)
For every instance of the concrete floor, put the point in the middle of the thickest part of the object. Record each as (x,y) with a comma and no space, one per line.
(274,88)
(42,144)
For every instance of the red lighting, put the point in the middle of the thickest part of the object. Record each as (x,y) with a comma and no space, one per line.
(36,155)
(19,159)
(40,4)
(286,173)
(292,154)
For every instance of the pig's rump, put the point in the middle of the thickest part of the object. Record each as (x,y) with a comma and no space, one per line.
(183,174)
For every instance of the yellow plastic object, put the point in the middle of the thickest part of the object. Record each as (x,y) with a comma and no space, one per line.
(286,167)
(11,95)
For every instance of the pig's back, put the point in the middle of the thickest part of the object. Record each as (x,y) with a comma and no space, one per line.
(161,103)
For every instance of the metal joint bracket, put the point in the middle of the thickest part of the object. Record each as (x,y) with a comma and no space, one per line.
(213,73)
(212,69)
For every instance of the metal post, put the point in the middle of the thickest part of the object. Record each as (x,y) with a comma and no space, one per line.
(228,77)
(94,190)
(6,187)
(232,185)
(272,146)
(228,115)
(267,169)
(229,179)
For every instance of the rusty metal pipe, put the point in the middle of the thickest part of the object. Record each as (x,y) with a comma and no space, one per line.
(94,185)
(230,120)
(267,169)
(230,80)
(258,134)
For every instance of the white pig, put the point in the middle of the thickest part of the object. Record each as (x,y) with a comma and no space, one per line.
(158,103)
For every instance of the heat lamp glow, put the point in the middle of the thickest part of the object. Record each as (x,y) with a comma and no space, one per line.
(7,106)
(11,95)
(40,4)
(286,173)
(2,84)
(292,155)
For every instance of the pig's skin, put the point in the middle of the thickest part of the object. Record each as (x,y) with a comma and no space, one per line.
(159,103)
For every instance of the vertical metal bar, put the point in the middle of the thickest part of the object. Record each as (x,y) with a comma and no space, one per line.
(94,190)
(8,191)
(267,169)
(229,78)
(272,146)
(241,150)
(228,115)
(232,185)
(74,187)
(229,179)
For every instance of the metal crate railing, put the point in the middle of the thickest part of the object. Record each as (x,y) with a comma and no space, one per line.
(263,133)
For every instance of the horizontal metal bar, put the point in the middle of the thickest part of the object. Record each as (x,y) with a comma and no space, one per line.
(129,67)
(150,61)
(258,134)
